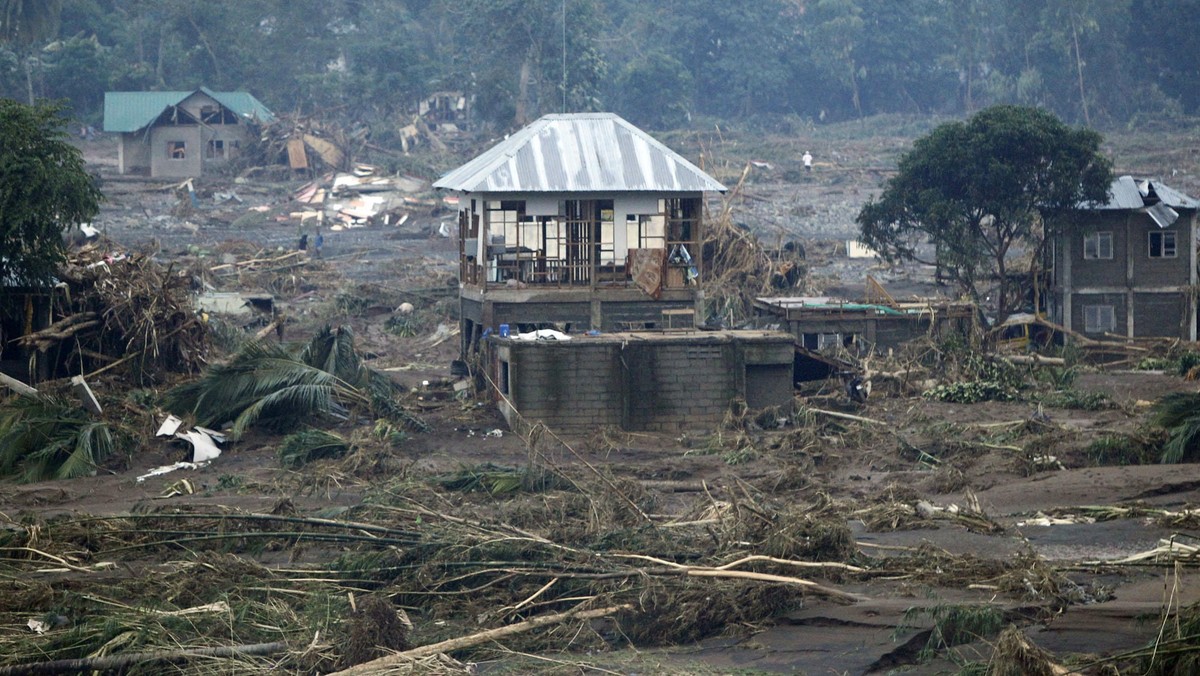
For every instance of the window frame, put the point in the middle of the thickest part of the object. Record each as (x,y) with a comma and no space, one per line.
(1162,246)
(216,149)
(173,146)
(1092,249)
(1093,315)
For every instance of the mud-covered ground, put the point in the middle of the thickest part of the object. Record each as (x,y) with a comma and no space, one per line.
(897,471)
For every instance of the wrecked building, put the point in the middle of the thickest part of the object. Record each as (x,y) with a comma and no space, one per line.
(1127,267)
(180,134)
(582,221)
(642,381)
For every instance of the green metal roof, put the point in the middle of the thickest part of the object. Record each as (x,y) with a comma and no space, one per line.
(131,111)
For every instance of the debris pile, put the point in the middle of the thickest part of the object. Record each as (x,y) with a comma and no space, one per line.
(127,312)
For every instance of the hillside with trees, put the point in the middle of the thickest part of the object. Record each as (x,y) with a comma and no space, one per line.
(1100,63)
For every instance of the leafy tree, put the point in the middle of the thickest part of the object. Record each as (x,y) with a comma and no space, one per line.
(978,189)
(24,24)
(44,189)
(654,92)
(736,52)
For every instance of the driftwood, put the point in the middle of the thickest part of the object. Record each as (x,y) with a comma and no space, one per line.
(115,662)
(255,261)
(59,331)
(1034,359)
(382,664)
(17,386)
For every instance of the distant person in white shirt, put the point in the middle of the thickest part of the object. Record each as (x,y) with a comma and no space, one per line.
(807,161)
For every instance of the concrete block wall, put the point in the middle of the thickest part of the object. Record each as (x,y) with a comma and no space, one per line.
(665,385)
(566,386)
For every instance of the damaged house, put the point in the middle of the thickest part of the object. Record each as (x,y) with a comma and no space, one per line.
(585,228)
(180,134)
(581,221)
(1127,267)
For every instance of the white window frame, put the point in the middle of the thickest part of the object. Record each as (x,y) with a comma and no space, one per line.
(1094,244)
(1099,318)
(217,149)
(1168,246)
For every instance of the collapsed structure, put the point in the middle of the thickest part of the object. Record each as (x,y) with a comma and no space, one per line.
(180,134)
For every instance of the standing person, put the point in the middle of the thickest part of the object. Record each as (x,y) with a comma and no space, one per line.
(807,161)
(319,243)
(303,245)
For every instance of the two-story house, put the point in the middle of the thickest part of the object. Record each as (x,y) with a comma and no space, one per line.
(1128,266)
(180,134)
(581,221)
(587,224)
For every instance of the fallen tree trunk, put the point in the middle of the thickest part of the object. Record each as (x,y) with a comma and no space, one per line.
(114,662)
(384,663)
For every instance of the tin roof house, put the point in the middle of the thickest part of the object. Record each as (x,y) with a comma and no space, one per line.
(587,225)
(580,222)
(1128,266)
(180,134)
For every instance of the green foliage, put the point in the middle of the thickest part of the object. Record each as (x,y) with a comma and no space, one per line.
(44,189)
(298,449)
(1119,450)
(971,392)
(653,91)
(405,326)
(282,387)
(953,625)
(976,189)
(1079,400)
(388,433)
(1179,364)
(497,480)
(1179,414)
(49,438)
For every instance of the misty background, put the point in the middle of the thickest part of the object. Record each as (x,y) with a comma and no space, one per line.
(772,64)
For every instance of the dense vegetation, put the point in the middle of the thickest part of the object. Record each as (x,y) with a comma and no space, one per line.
(1100,63)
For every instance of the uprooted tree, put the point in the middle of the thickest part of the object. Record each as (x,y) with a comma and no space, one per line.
(44,189)
(978,189)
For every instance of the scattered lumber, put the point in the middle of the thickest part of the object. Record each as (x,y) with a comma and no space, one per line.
(383,664)
(121,662)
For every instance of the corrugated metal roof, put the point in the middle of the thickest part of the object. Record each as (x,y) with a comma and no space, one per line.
(1127,193)
(131,111)
(582,152)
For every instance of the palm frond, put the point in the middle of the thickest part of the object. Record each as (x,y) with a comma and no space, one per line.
(49,438)
(285,404)
(305,446)
(1179,414)
(266,383)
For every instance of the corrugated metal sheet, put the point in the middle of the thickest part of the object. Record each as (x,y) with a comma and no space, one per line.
(583,152)
(131,111)
(1126,193)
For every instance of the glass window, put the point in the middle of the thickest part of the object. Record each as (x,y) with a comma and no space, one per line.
(1098,246)
(216,149)
(1099,319)
(1162,244)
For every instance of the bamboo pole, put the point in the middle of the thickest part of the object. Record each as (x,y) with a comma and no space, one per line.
(383,663)
(115,662)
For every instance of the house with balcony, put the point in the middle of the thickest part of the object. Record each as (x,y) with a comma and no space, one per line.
(578,222)
(1127,267)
